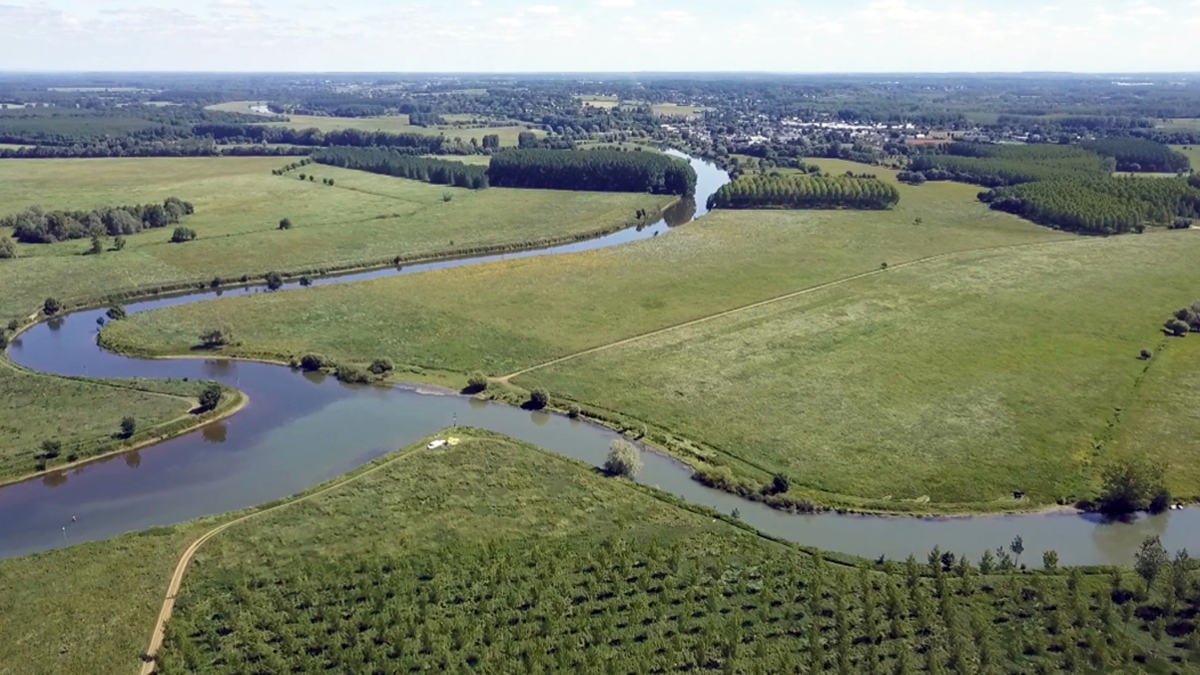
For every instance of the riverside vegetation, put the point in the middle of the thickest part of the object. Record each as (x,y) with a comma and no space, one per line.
(494,553)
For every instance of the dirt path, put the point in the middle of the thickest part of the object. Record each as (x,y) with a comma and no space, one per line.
(769,301)
(168,606)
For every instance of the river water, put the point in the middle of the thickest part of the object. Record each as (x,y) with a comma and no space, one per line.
(302,429)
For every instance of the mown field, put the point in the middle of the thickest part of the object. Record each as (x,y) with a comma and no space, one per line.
(83,415)
(494,553)
(239,205)
(1192,152)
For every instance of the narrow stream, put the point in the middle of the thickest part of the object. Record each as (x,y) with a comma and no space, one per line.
(303,429)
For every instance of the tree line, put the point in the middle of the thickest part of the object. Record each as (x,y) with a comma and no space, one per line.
(1100,205)
(37,226)
(261,133)
(801,191)
(1002,165)
(592,170)
(1139,154)
(404,165)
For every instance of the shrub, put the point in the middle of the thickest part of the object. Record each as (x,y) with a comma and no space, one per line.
(215,283)
(116,313)
(97,245)
(574,412)
(1177,328)
(3,341)
(624,460)
(447,197)
(353,374)
(211,397)
(119,243)
(477,382)
(285,224)
(1147,354)
(1133,485)
(303,176)
(274,281)
(538,399)
(13,325)
(51,306)
(779,484)
(218,336)
(382,366)
(312,362)
(51,449)
(7,248)
(128,427)
(183,234)
(305,281)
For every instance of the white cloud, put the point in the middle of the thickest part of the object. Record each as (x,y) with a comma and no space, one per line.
(543,9)
(676,16)
(1148,10)
(623,3)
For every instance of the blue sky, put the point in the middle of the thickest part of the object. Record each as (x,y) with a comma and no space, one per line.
(595,35)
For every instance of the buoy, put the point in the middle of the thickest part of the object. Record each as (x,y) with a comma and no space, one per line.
(73,519)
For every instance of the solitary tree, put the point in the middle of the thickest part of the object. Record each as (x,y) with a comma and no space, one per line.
(182,234)
(119,243)
(624,460)
(97,245)
(7,248)
(51,306)
(1050,561)
(1150,559)
(1132,485)
(211,397)
(128,426)
(285,224)
(274,281)
(116,313)
(218,336)
(51,449)
(1017,547)
(538,399)
(477,382)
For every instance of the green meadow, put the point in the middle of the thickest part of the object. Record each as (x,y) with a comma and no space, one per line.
(363,217)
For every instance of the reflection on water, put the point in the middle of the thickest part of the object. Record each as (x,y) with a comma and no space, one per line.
(216,368)
(56,323)
(133,459)
(55,479)
(539,418)
(315,376)
(216,432)
(681,213)
(477,403)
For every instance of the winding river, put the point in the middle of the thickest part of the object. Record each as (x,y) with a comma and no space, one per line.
(303,429)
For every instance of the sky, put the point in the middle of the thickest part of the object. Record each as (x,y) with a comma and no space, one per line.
(807,36)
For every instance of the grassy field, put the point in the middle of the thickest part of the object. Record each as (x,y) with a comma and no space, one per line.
(675,110)
(89,608)
(244,107)
(1192,152)
(603,102)
(493,553)
(995,376)
(398,124)
(477,160)
(83,415)
(239,205)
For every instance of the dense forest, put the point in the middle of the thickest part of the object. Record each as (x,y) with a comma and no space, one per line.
(1137,154)
(404,165)
(571,606)
(259,133)
(800,191)
(36,226)
(1101,205)
(1000,165)
(592,170)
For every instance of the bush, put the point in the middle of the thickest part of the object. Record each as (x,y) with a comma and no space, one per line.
(13,325)
(574,412)
(1177,328)
(312,362)
(128,427)
(274,281)
(119,243)
(1133,485)
(538,399)
(183,234)
(353,375)
(1147,354)
(116,313)
(477,382)
(211,397)
(51,449)
(3,341)
(382,366)
(218,336)
(51,306)
(624,460)
(305,281)
(7,248)
(285,224)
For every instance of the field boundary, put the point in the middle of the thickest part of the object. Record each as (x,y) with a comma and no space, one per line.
(506,379)
(168,606)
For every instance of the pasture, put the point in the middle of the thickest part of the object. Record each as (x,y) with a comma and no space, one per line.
(1192,152)
(398,124)
(83,415)
(362,217)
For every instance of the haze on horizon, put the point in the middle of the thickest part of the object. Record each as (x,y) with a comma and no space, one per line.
(810,36)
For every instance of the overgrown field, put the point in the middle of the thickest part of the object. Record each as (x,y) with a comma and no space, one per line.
(239,205)
(89,608)
(494,554)
(84,416)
